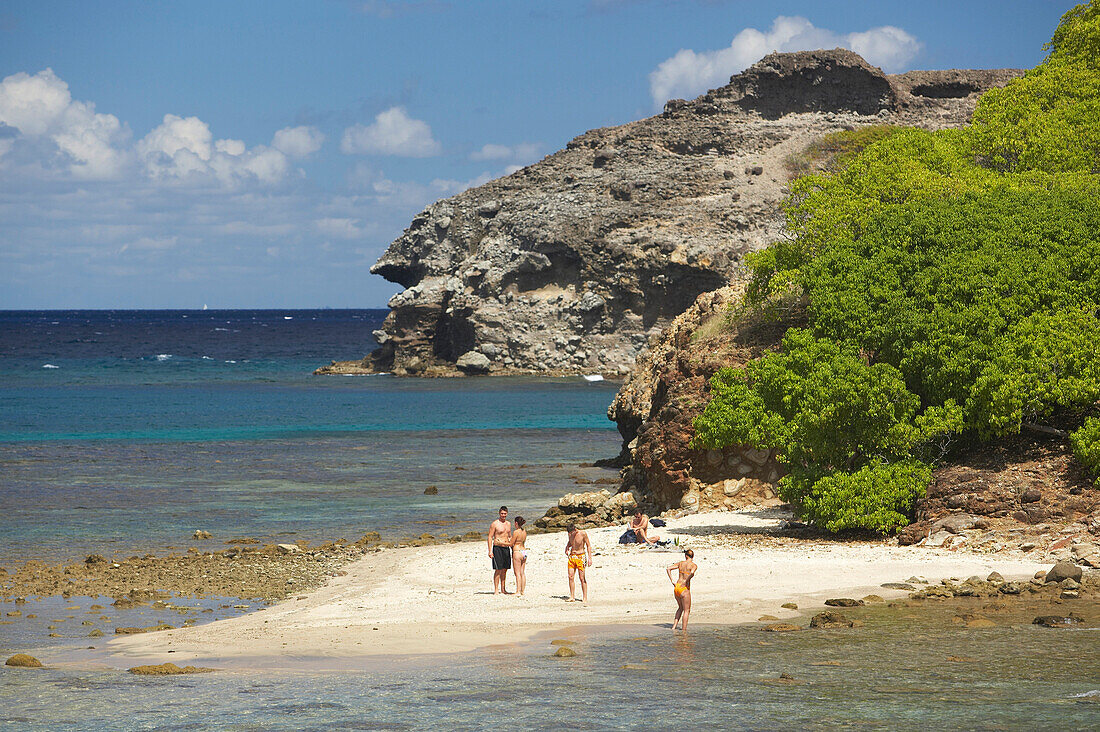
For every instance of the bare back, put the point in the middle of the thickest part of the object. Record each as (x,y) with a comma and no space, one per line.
(687,570)
(518,539)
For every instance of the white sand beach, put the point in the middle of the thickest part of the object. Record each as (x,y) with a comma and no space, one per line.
(438,599)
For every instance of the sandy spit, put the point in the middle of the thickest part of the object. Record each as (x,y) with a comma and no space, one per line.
(438,599)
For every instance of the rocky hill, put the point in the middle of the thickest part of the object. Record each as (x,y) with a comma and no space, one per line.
(574,264)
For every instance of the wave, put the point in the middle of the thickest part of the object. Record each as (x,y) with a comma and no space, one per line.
(1094,694)
(50,366)
(163,356)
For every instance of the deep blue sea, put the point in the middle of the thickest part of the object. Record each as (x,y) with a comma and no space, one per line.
(128,430)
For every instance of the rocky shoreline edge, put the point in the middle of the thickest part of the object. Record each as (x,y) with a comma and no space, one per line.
(271,573)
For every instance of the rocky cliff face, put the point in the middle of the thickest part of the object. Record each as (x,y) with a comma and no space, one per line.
(573,264)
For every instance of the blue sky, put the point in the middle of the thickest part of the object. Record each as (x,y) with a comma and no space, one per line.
(264,154)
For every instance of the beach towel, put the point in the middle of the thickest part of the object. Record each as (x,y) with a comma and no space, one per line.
(628,537)
(657,522)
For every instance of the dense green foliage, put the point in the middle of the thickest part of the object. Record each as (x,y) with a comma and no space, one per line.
(952,286)
(1086,446)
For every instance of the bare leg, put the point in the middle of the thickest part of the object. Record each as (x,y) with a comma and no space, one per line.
(679,611)
(687,610)
(519,566)
(500,580)
(584,586)
(572,588)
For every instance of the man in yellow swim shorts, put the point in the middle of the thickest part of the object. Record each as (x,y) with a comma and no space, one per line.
(577,548)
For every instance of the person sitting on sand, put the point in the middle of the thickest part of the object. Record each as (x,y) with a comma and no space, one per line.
(577,547)
(500,550)
(640,526)
(681,588)
(519,555)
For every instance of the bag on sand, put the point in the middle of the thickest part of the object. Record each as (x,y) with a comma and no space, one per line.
(657,522)
(628,537)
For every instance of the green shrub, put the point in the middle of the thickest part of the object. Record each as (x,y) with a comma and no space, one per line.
(1086,446)
(950,283)
(877,497)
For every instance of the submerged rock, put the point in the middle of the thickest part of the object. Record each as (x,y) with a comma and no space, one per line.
(830,619)
(1058,621)
(781,628)
(168,669)
(564,652)
(843,602)
(23,660)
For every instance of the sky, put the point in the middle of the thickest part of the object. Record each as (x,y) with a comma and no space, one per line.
(264,154)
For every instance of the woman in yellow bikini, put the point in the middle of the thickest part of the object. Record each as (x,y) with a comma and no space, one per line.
(681,588)
(519,556)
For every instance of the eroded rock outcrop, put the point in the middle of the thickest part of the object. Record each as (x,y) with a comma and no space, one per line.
(573,264)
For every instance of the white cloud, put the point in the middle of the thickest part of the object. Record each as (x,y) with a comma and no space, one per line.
(394,132)
(41,108)
(183,148)
(524,152)
(298,142)
(689,73)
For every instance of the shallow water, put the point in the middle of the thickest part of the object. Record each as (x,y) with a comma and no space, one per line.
(887,675)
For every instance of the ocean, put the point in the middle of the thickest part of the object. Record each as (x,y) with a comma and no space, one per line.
(125,431)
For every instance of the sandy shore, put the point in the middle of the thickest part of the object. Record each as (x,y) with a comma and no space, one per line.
(438,599)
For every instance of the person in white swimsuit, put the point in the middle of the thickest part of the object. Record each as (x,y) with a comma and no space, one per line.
(519,555)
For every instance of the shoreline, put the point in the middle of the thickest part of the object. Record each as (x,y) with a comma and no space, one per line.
(438,600)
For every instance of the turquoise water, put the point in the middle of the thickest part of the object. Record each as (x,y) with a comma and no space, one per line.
(127,431)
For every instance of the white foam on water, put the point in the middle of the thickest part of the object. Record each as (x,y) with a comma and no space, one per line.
(163,356)
(207,358)
(50,366)
(288,317)
(1094,694)
(593,377)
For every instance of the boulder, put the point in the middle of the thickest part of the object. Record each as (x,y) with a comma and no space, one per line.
(830,619)
(288,548)
(94,559)
(912,534)
(958,523)
(564,652)
(473,362)
(431,491)
(23,660)
(584,502)
(995,577)
(200,535)
(843,602)
(622,503)
(1063,570)
(789,606)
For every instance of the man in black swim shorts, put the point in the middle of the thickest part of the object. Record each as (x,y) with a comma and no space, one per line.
(500,550)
